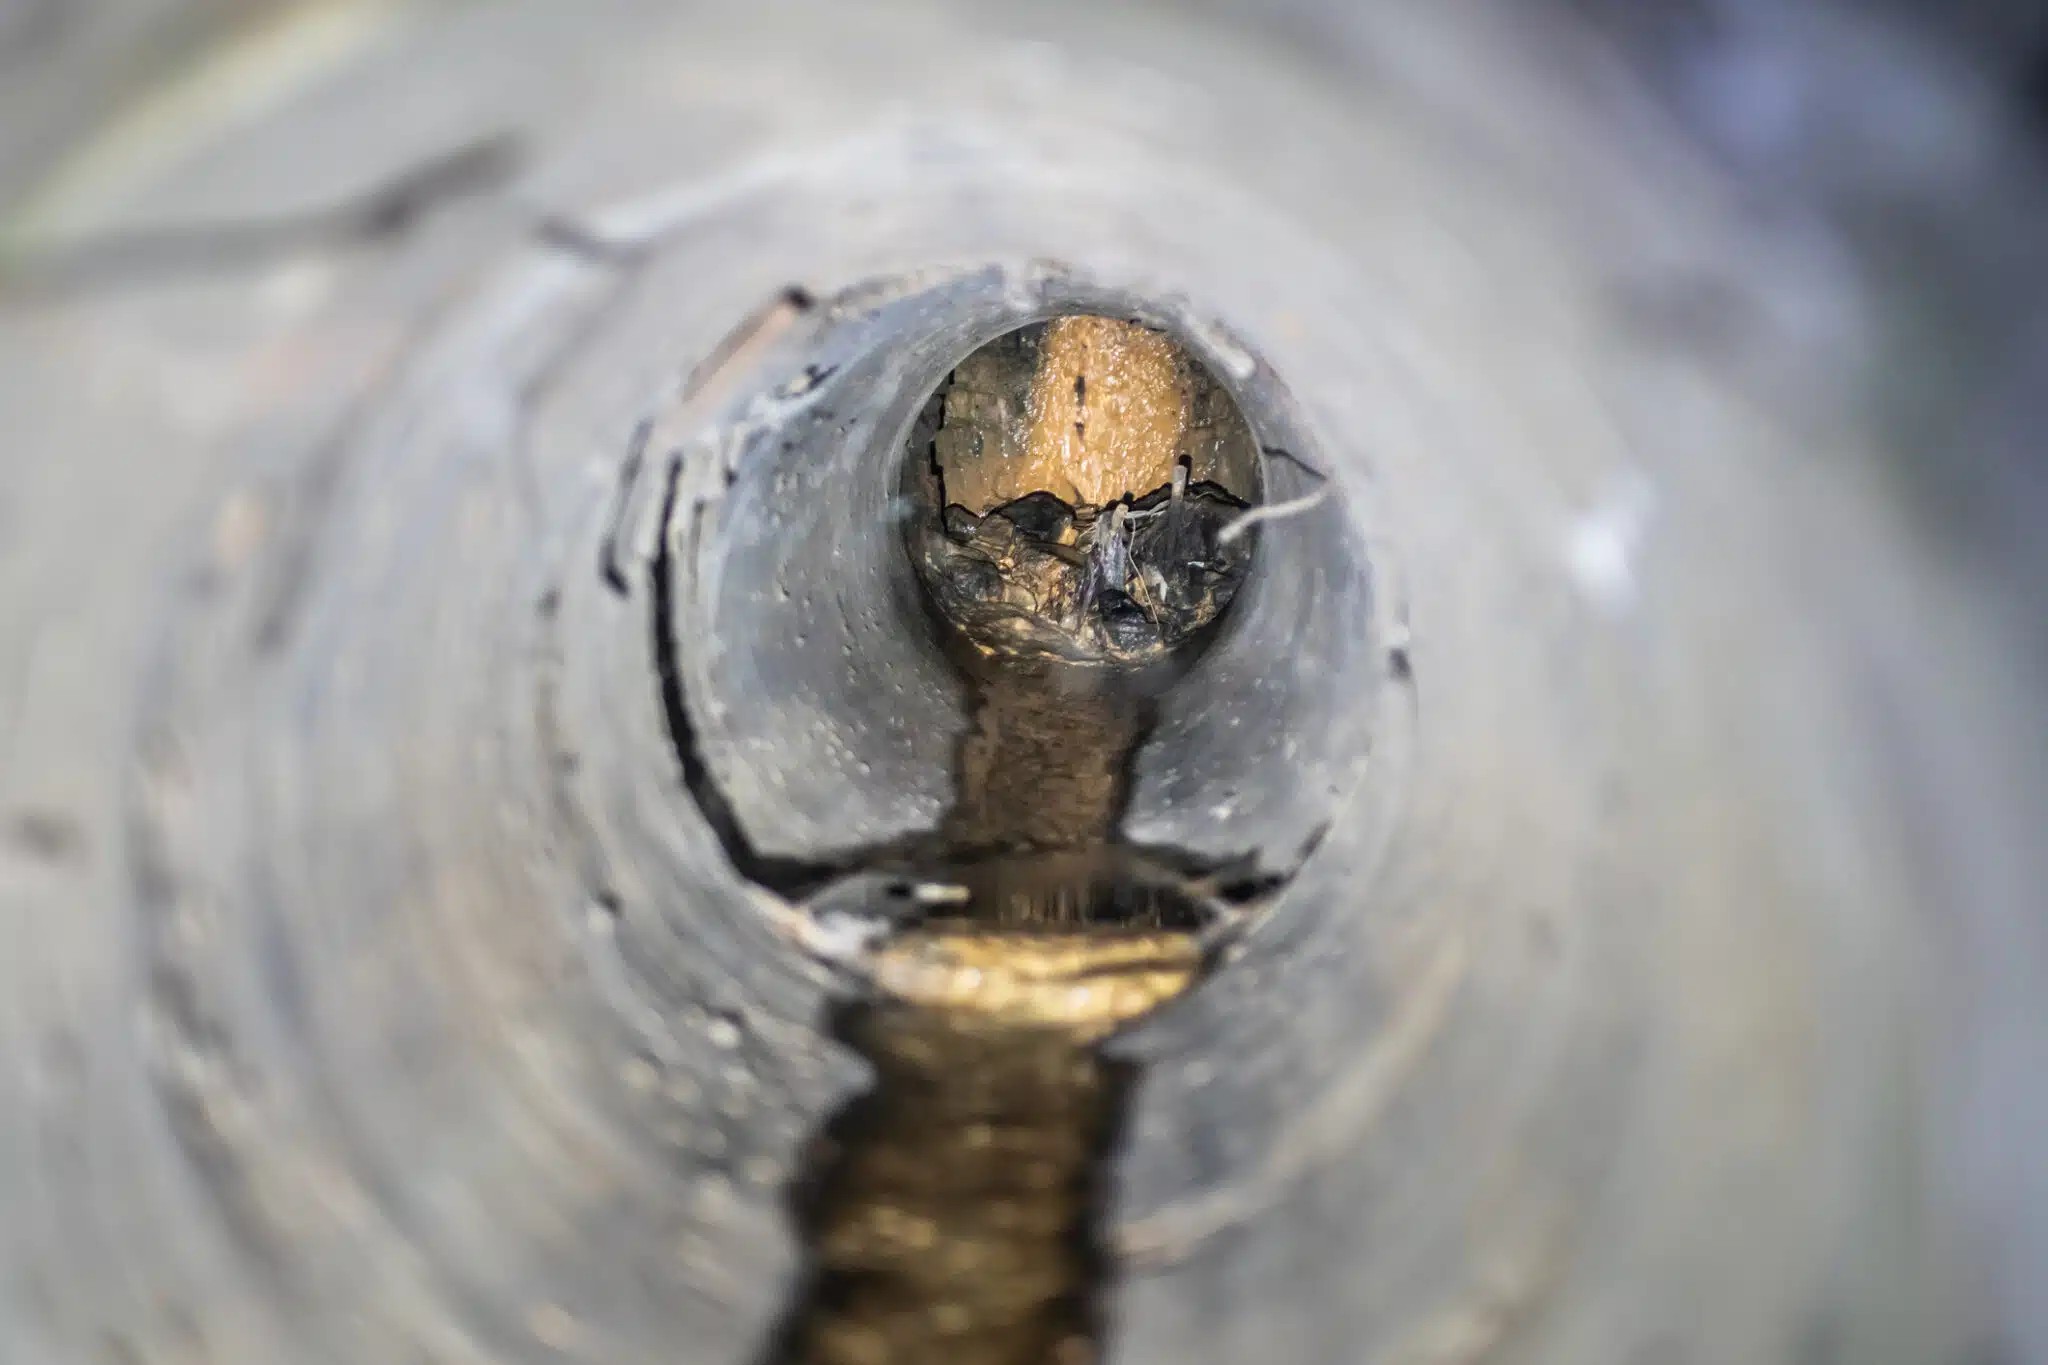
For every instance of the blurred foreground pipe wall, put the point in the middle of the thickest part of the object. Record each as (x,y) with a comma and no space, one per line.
(1669,983)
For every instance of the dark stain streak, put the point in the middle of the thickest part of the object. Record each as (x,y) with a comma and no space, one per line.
(286,586)
(754,334)
(387,211)
(46,836)
(1282,453)
(785,877)
(608,566)
(572,238)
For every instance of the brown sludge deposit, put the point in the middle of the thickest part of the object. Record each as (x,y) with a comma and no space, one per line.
(1107,413)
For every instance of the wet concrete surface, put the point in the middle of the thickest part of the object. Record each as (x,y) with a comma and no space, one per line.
(951,1211)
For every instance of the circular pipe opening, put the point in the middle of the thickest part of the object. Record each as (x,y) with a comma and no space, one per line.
(1075,489)
(829,697)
